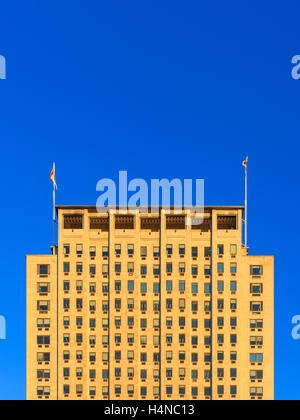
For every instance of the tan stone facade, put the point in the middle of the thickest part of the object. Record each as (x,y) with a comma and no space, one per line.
(149,307)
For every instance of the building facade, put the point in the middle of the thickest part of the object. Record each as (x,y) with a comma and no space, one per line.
(147,307)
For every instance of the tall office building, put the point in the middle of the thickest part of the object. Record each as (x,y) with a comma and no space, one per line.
(145,306)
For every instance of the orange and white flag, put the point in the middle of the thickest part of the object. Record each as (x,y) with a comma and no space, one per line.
(245,163)
(52,177)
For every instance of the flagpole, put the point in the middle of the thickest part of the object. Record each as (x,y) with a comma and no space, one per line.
(54,218)
(246,203)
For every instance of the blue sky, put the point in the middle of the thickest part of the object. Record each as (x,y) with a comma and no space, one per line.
(160,89)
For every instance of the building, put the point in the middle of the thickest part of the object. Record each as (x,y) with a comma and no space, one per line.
(145,306)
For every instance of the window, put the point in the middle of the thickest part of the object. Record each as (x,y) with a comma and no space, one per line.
(130,304)
(79,249)
(130,285)
(169,268)
(156,252)
(207,252)
(131,267)
(169,390)
(156,270)
(194,288)
(207,288)
(43,305)
(220,322)
(220,286)
(130,249)
(207,270)
(256,306)
(194,306)
(66,267)
(220,250)
(256,289)
(220,268)
(181,285)
(181,267)
(256,323)
(118,249)
(43,357)
(233,250)
(169,250)
(194,252)
(233,268)
(43,270)
(79,285)
(207,306)
(79,268)
(181,249)
(233,304)
(169,285)
(43,288)
(220,304)
(194,270)
(143,270)
(156,288)
(233,286)
(181,304)
(233,322)
(92,287)
(256,270)
(43,323)
(117,267)
(233,356)
(92,270)
(66,249)
(233,390)
(105,252)
(92,251)
(143,251)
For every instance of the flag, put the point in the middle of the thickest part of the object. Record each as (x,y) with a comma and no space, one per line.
(245,163)
(52,177)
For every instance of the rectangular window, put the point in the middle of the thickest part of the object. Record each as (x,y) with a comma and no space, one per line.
(169,249)
(220,268)
(233,250)
(92,251)
(79,249)
(43,270)
(194,252)
(256,270)
(130,267)
(233,268)
(220,250)
(130,249)
(156,252)
(181,249)
(105,251)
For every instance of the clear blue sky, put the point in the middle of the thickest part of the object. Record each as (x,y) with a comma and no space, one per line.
(161,89)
